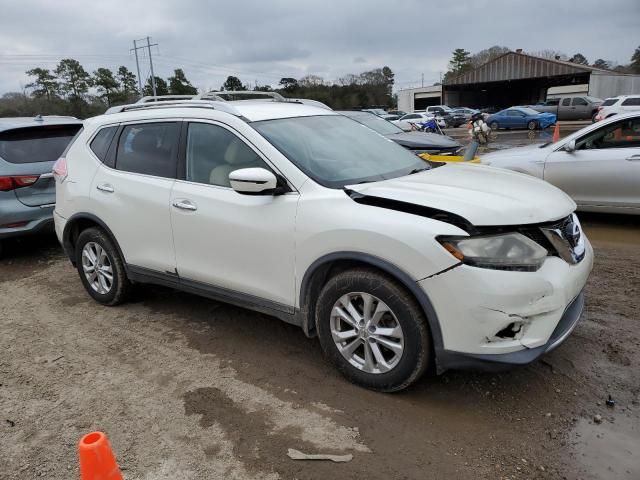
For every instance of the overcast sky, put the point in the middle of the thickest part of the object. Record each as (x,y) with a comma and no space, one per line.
(269,39)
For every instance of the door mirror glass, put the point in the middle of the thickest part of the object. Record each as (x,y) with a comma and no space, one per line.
(253,181)
(570,147)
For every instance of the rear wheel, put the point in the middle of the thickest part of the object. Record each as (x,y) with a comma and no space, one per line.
(372,330)
(532,125)
(101,268)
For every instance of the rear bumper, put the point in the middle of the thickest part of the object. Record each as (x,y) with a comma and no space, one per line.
(38,219)
(495,362)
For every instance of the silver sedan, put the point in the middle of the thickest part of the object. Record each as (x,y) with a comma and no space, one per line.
(598,166)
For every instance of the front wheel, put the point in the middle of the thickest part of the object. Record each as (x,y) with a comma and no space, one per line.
(493,126)
(372,330)
(532,125)
(101,268)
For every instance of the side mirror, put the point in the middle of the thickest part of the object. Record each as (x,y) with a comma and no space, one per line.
(253,181)
(570,147)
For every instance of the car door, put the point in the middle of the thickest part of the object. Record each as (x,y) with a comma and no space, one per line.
(226,241)
(580,108)
(512,119)
(604,170)
(565,111)
(630,104)
(131,192)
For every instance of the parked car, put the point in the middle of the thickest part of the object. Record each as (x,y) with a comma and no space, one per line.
(520,117)
(452,118)
(417,142)
(28,148)
(465,112)
(615,105)
(304,214)
(571,108)
(397,113)
(598,166)
(406,122)
(381,113)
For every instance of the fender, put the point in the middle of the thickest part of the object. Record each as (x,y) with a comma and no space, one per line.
(387,267)
(68,229)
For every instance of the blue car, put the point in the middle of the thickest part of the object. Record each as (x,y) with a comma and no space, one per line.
(521,117)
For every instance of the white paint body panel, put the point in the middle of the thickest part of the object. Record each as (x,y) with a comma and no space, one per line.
(263,245)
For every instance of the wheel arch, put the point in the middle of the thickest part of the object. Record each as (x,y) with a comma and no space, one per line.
(79,222)
(324,267)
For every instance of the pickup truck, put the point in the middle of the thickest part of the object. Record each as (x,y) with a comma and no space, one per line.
(582,107)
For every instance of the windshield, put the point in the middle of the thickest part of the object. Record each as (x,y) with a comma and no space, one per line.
(336,151)
(609,101)
(380,125)
(528,111)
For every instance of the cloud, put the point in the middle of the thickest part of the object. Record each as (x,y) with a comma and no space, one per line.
(265,41)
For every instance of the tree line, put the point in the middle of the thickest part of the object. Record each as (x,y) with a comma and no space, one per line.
(69,89)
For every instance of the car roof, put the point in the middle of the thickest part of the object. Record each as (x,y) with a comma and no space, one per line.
(9,123)
(248,110)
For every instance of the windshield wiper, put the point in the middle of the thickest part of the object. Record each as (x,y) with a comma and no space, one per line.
(545,144)
(418,170)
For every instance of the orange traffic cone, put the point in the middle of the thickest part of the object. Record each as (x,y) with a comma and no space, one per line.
(97,461)
(556,132)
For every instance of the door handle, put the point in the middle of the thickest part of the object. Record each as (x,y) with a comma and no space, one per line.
(185,205)
(634,158)
(105,187)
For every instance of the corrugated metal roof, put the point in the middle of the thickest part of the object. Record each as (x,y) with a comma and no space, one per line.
(518,66)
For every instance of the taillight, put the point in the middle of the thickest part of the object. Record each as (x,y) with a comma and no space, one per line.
(60,169)
(17,181)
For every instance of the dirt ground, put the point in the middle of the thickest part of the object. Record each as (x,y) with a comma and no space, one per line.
(187,388)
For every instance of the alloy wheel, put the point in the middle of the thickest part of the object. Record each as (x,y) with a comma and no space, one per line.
(367,332)
(97,268)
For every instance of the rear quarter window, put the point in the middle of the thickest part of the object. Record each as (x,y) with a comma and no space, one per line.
(101,142)
(36,144)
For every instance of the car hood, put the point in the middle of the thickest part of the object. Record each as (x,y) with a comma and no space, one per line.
(484,196)
(423,140)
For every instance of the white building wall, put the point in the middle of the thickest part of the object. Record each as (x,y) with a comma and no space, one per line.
(604,85)
(406,98)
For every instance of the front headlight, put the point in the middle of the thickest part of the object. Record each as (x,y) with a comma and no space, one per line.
(508,251)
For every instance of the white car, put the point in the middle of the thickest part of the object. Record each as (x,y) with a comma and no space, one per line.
(407,122)
(598,166)
(616,105)
(309,216)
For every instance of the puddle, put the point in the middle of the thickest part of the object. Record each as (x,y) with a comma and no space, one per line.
(608,450)
(611,229)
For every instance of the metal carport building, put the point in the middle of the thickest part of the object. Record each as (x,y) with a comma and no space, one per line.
(516,78)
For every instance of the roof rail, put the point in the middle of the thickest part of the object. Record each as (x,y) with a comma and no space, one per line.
(186,103)
(164,98)
(218,95)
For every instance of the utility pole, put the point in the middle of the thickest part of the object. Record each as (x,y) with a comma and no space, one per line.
(148,47)
(422,79)
(135,49)
(153,77)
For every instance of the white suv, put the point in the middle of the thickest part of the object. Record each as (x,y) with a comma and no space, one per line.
(395,264)
(615,105)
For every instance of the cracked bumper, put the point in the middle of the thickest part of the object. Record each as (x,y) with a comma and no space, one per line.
(473,304)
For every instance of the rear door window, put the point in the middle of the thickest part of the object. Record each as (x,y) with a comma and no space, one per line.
(101,142)
(631,102)
(149,149)
(36,144)
(566,102)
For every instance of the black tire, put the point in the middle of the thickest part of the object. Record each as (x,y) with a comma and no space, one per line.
(532,125)
(416,355)
(120,286)
(494,126)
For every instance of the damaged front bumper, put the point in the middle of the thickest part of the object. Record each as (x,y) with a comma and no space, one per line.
(490,319)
